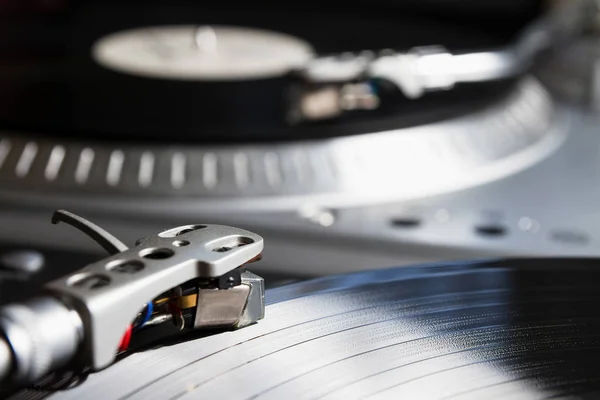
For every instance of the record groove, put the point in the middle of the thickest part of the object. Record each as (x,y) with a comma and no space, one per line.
(522,329)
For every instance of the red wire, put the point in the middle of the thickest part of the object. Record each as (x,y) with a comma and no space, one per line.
(124,345)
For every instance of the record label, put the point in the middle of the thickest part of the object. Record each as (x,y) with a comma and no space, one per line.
(202,52)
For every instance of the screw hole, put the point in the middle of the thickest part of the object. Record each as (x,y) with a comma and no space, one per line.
(406,222)
(156,253)
(181,230)
(89,281)
(569,237)
(190,228)
(125,267)
(180,243)
(184,231)
(232,244)
(491,230)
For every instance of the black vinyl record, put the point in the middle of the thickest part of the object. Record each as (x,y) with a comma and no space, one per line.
(514,329)
(50,84)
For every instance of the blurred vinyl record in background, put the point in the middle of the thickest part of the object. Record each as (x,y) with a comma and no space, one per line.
(142,115)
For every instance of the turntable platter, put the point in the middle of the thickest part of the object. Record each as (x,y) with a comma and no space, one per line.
(522,329)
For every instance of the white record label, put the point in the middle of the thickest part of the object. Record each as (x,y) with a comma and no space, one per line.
(202,52)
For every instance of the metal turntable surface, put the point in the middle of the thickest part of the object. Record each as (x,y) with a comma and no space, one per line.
(521,329)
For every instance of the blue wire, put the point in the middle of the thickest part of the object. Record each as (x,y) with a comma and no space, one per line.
(374,87)
(149,311)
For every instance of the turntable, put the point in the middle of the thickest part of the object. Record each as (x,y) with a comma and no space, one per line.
(350,139)
(303,130)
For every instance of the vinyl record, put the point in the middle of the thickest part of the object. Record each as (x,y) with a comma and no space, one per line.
(50,81)
(520,329)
